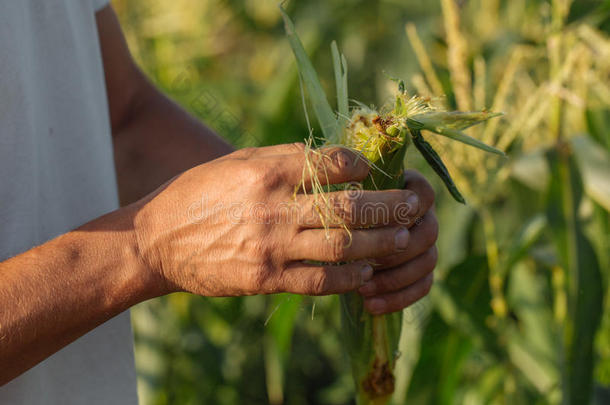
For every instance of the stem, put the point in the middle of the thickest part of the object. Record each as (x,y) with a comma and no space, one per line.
(560,10)
(496,278)
(380,339)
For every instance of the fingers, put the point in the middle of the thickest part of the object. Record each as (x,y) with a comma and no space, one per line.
(398,278)
(359,208)
(422,237)
(331,165)
(396,301)
(301,278)
(335,245)
(417,183)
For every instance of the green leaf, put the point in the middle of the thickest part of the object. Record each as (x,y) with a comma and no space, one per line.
(324,113)
(531,169)
(436,163)
(455,119)
(277,342)
(533,345)
(463,301)
(462,304)
(340,68)
(583,274)
(598,122)
(530,233)
(449,124)
(594,162)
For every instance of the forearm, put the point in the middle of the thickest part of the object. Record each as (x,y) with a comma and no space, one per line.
(56,292)
(154,139)
(158,141)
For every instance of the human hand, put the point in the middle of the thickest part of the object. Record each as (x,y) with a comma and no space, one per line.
(403,278)
(228,227)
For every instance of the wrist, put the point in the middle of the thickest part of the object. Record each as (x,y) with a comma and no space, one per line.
(147,252)
(116,249)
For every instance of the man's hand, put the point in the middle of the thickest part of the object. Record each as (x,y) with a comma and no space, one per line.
(235,226)
(146,155)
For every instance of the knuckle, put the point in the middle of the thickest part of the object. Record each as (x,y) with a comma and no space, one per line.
(245,152)
(262,175)
(348,207)
(298,147)
(338,243)
(341,158)
(269,179)
(259,280)
(262,279)
(347,163)
(317,283)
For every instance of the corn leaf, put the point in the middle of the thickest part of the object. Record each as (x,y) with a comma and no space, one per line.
(322,110)
(529,234)
(582,271)
(436,163)
(284,309)
(594,162)
(598,122)
(461,305)
(340,68)
(455,119)
(442,123)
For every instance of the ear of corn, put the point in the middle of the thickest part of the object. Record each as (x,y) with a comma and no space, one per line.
(382,138)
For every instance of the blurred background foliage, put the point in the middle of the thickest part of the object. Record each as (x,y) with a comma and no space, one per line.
(520,312)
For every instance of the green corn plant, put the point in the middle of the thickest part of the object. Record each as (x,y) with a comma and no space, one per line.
(382,137)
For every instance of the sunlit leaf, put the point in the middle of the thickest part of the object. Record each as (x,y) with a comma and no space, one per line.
(442,123)
(324,113)
(340,69)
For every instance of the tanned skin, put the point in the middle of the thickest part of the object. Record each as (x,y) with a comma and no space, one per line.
(171,168)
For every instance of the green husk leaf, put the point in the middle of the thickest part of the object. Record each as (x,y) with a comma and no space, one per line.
(449,124)
(455,119)
(340,68)
(434,160)
(322,110)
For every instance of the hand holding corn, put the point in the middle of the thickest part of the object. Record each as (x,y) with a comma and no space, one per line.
(256,232)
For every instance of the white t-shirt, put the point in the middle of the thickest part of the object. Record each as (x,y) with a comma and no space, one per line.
(56,173)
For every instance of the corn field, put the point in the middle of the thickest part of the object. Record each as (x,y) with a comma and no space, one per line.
(520,310)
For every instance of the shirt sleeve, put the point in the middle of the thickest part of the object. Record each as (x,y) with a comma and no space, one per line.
(99,4)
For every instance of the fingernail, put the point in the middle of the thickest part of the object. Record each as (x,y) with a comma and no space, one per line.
(401,239)
(413,201)
(366,273)
(367,289)
(376,305)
